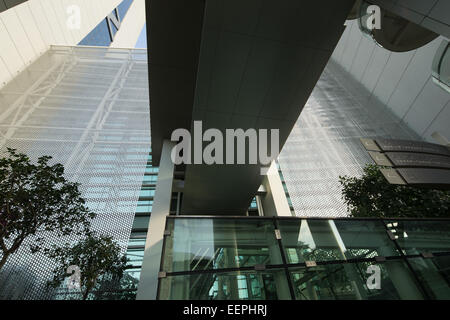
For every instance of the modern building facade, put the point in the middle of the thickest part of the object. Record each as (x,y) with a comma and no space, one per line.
(324,143)
(240,231)
(365,91)
(29,28)
(121,28)
(240,81)
(85,106)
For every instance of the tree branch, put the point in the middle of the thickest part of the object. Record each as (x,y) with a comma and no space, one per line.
(3,245)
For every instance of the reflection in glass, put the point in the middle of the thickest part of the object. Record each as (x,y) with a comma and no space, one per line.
(309,240)
(434,274)
(348,281)
(202,257)
(327,240)
(415,237)
(365,239)
(243,285)
(201,244)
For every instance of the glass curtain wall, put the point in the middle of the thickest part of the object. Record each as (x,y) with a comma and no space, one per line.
(256,258)
(136,244)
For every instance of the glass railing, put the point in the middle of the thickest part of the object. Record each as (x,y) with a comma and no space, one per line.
(253,258)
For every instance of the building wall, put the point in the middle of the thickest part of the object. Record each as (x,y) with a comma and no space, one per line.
(131,27)
(365,92)
(431,14)
(88,108)
(28,29)
(8,4)
(401,81)
(324,143)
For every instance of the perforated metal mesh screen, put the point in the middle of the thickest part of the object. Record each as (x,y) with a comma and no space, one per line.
(324,143)
(88,108)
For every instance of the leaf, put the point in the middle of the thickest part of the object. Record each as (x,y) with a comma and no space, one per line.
(36,197)
(371,195)
(98,258)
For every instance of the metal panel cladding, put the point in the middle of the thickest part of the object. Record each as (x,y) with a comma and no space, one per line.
(324,143)
(88,108)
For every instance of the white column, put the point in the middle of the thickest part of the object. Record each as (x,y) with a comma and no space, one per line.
(148,284)
(274,202)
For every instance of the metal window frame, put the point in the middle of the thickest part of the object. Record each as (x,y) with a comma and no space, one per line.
(289,266)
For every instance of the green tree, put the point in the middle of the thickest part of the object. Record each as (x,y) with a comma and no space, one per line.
(98,259)
(35,198)
(372,195)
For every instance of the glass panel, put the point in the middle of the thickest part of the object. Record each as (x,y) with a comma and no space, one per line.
(253,204)
(141,222)
(327,240)
(308,240)
(199,244)
(147,192)
(365,239)
(244,285)
(135,257)
(434,274)
(134,273)
(418,236)
(349,281)
(144,208)
(137,242)
(150,169)
(150,178)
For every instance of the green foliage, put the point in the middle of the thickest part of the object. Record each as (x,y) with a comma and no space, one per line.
(36,198)
(373,196)
(98,259)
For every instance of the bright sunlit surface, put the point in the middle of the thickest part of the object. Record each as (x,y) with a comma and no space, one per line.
(142,40)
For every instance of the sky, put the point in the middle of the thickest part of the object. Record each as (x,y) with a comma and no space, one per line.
(142,40)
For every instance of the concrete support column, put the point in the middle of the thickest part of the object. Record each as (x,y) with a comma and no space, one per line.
(274,202)
(350,269)
(148,284)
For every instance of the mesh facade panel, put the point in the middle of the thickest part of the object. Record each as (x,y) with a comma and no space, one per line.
(88,108)
(324,143)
